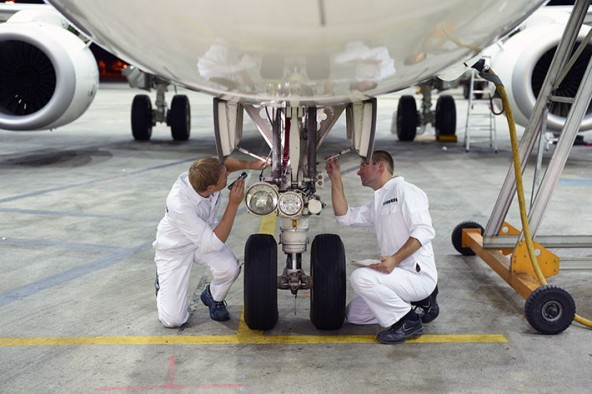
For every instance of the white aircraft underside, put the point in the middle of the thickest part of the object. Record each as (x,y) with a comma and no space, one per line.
(330,51)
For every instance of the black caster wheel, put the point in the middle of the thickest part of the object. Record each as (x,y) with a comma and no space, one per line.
(550,310)
(457,237)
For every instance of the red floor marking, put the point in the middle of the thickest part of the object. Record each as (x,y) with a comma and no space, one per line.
(169,384)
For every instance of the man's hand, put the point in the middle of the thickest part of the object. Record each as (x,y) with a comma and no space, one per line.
(235,197)
(333,168)
(337,195)
(387,264)
(258,164)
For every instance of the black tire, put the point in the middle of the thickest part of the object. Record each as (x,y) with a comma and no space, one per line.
(457,237)
(406,118)
(260,282)
(445,115)
(142,118)
(550,309)
(180,118)
(327,296)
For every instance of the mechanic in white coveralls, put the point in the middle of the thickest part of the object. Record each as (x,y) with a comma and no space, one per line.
(188,234)
(405,278)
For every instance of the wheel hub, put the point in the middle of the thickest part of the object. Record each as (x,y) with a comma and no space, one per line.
(552,311)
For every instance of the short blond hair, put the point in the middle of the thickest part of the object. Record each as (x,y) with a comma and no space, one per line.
(205,172)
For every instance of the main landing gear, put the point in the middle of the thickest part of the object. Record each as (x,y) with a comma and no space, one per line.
(407,119)
(144,117)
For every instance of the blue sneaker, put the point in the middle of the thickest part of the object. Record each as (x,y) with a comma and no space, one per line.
(218,310)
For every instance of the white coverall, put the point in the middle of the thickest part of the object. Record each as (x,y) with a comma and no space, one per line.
(399,210)
(185,235)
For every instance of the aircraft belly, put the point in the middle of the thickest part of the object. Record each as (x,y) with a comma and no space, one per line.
(308,51)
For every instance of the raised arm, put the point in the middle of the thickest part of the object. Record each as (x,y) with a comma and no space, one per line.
(233,164)
(337,194)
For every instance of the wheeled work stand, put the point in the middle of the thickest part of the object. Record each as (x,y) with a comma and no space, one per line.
(548,309)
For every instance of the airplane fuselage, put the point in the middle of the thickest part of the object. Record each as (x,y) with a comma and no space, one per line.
(328,52)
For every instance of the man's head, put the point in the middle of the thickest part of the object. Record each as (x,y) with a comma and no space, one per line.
(378,171)
(207,176)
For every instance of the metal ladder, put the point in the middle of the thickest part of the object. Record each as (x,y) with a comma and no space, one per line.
(480,116)
(535,129)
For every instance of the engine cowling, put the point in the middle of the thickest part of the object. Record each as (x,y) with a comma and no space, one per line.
(522,64)
(48,76)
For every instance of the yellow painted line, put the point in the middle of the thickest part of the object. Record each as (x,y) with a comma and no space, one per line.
(255,339)
(267,225)
(459,338)
(244,335)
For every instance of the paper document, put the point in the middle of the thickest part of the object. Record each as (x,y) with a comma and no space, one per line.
(365,263)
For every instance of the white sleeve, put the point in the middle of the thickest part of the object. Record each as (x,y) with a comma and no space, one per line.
(417,216)
(362,216)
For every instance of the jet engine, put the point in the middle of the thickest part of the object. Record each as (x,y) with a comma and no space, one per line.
(522,64)
(48,75)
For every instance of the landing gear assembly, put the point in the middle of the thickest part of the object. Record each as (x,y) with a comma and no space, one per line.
(144,117)
(407,119)
(289,192)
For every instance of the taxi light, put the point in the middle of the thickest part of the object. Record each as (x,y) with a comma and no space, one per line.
(291,203)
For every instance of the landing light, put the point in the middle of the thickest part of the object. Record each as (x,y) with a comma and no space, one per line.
(261,199)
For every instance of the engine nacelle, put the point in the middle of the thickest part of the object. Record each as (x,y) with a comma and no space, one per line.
(522,64)
(48,76)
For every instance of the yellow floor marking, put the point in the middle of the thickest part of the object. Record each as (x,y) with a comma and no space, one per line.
(255,339)
(244,335)
(267,225)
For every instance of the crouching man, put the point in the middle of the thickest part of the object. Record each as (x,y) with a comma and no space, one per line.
(188,234)
(405,278)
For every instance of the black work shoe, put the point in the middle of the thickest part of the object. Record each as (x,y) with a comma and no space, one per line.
(218,310)
(409,326)
(428,307)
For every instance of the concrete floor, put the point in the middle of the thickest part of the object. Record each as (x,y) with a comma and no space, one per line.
(78,212)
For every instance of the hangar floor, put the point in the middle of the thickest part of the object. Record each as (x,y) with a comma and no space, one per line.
(78,212)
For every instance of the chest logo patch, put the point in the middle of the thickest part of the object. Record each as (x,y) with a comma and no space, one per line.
(390,201)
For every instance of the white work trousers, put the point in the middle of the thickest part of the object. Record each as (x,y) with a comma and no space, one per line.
(173,272)
(386,298)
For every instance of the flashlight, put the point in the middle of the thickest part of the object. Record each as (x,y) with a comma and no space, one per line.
(241,176)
